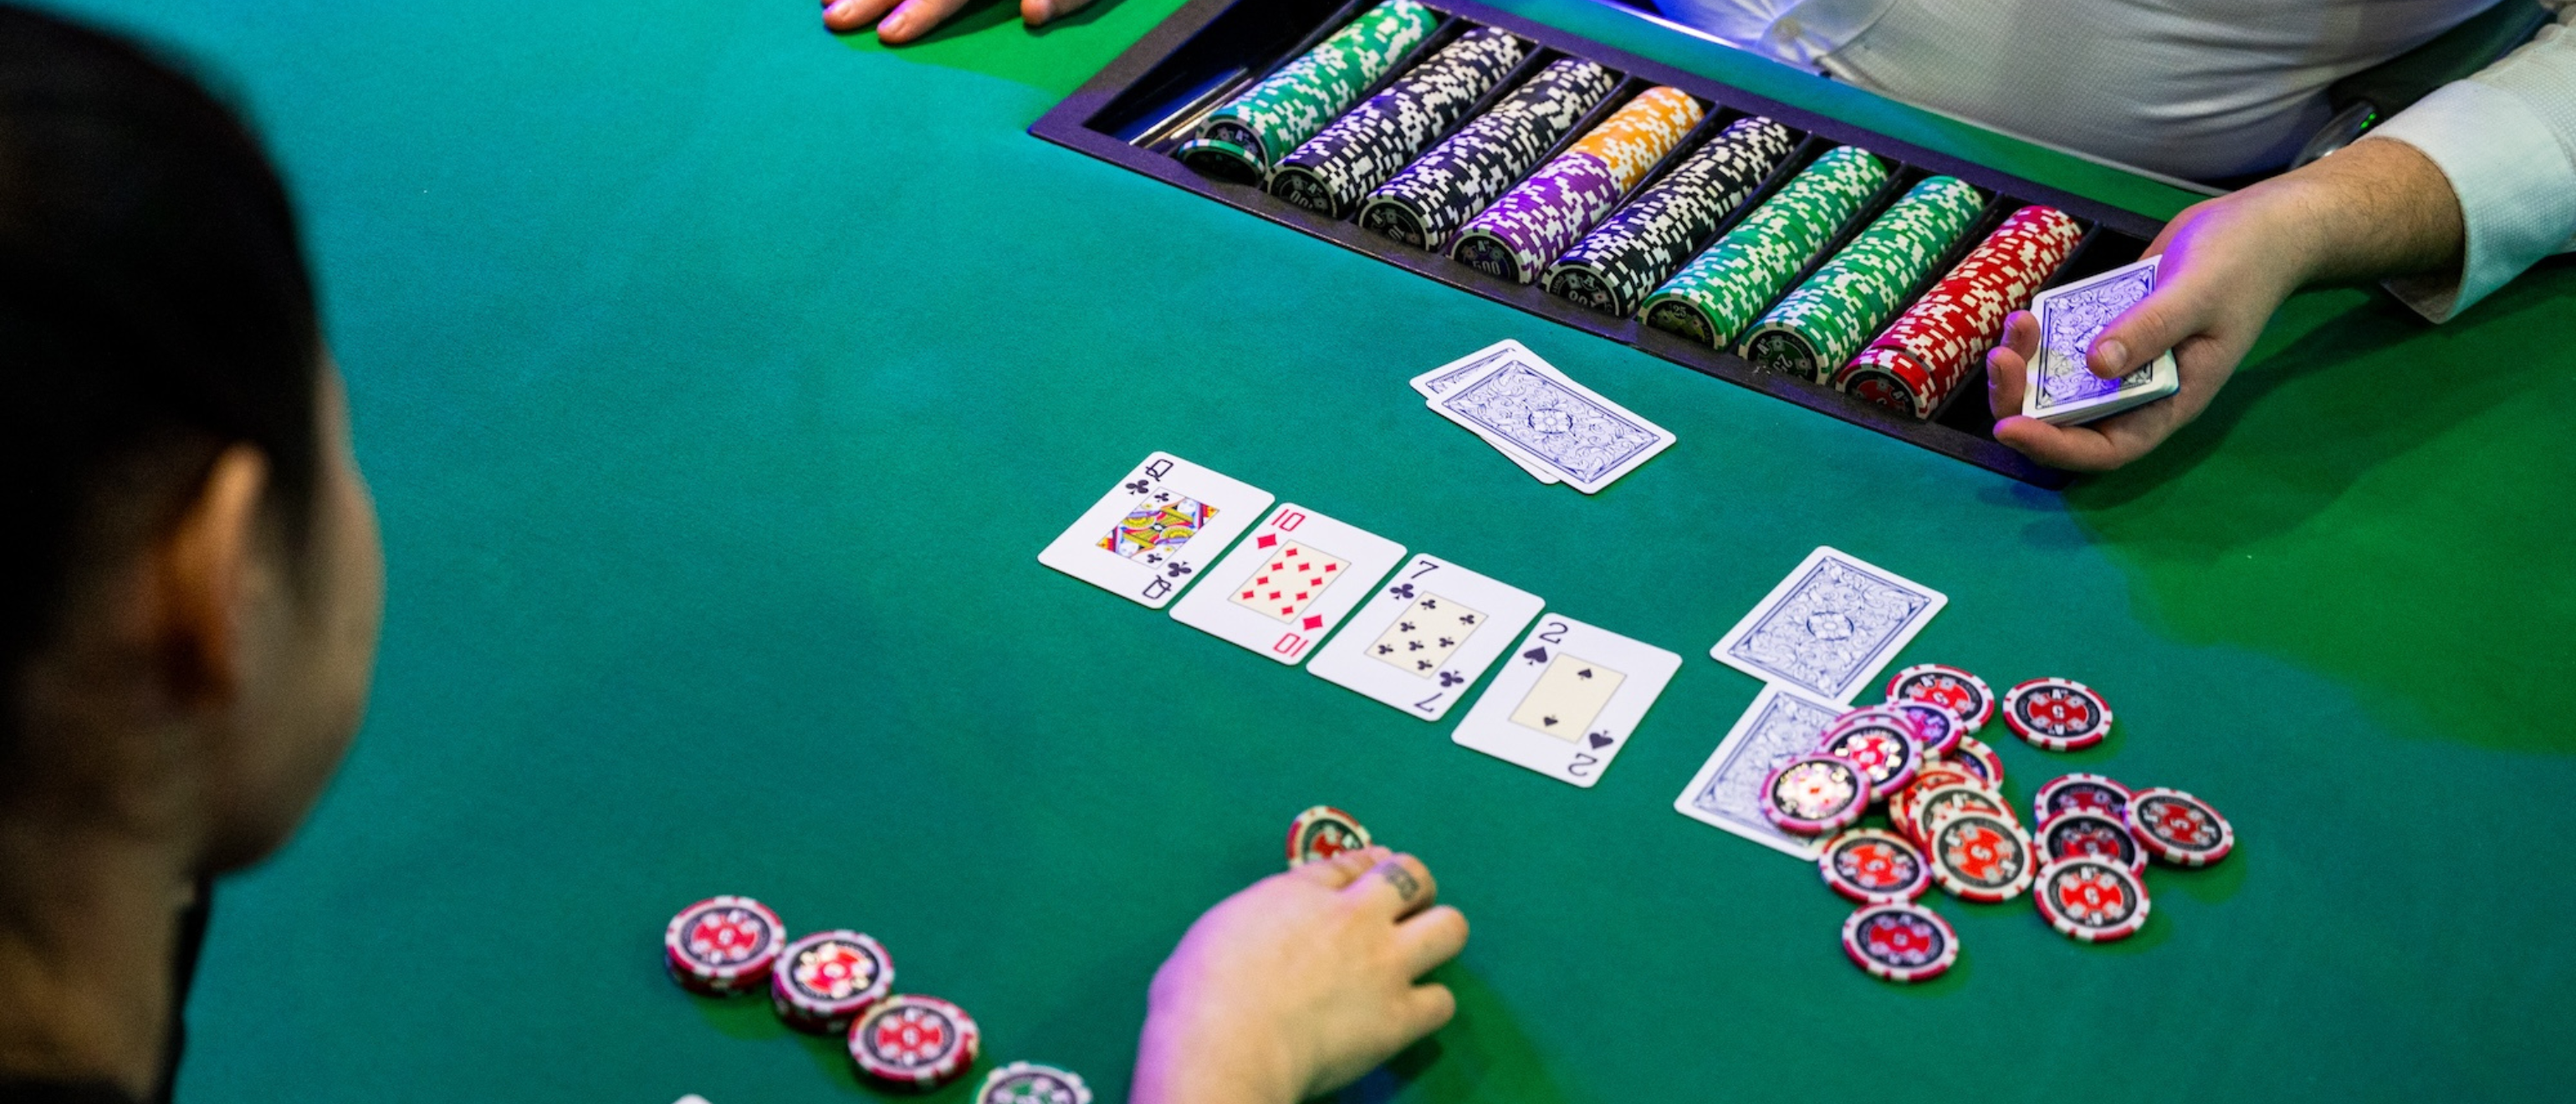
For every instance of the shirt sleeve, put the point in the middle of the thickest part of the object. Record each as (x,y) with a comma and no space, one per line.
(2506,140)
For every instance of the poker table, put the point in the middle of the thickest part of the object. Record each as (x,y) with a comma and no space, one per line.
(720,379)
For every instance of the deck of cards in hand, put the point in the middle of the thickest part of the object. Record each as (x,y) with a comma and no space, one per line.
(1557,430)
(2061,390)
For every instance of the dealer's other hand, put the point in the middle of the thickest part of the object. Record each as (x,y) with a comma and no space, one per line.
(912,19)
(2375,209)
(1299,984)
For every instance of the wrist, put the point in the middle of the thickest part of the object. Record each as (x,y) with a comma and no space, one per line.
(2376,208)
(1184,1058)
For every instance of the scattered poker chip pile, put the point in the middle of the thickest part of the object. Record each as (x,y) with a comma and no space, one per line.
(1915,756)
(842,982)
(1622,220)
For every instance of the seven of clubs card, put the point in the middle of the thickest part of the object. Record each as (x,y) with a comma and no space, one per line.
(1425,636)
(1296,576)
(1567,701)
(1155,529)
(1830,626)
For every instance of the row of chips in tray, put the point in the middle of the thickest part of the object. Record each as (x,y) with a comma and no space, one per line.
(1596,224)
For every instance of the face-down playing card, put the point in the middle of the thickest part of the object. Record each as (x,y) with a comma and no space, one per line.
(1295,577)
(1780,725)
(1425,636)
(1472,367)
(1830,626)
(2061,390)
(1568,701)
(1154,531)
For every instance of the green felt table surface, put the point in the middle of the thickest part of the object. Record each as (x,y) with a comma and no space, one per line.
(720,379)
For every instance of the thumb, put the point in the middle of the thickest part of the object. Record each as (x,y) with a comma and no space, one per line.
(2145,331)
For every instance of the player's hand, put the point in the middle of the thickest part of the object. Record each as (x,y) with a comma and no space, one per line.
(911,19)
(1299,984)
(2374,209)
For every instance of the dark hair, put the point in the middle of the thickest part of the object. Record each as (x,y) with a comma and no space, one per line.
(154,309)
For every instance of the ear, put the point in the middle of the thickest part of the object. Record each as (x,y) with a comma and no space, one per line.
(206,576)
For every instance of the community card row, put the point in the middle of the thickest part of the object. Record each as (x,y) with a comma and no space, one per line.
(1415,632)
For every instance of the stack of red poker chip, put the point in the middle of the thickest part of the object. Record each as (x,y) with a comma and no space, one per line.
(915,1041)
(722,945)
(825,979)
(1938,342)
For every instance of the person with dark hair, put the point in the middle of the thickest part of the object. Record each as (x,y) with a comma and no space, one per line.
(191,592)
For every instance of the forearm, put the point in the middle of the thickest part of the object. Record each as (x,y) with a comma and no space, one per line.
(2373,210)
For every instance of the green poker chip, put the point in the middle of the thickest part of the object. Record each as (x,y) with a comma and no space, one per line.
(1712,299)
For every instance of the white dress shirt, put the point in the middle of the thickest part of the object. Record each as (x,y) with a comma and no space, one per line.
(2211,88)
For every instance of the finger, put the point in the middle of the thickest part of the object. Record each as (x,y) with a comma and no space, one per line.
(1036,13)
(1427,1008)
(915,19)
(1344,868)
(845,16)
(2150,327)
(2008,363)
(1433,936)
(2074,448)
(1397,886)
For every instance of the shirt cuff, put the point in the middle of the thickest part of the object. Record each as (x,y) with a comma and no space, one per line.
(2516,187)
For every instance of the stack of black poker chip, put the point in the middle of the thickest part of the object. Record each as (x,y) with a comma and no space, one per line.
(1616,267)
(1334,170)
(1434,196)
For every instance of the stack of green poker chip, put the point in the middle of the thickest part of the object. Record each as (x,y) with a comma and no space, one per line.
(1245,137)
(1712,299)
(1813,330)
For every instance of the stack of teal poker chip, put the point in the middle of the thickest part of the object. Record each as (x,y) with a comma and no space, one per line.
(1814,329)
(1715,296)
(1247,135)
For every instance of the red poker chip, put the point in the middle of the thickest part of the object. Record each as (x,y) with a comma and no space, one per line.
(1981,857)
(1980,760)
(1935,774)
(1933,808)
(2055,714)
(2178,828)
(2092,900)
(1815,794)
(1965,695)
(2089,836)
(2078,793)
(1866,865)
(824,979)
(1900,941)
(914,1040)
(722,945)
(1321,833)
(1881,742)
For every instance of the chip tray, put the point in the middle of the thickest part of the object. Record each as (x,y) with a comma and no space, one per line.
(1143,106)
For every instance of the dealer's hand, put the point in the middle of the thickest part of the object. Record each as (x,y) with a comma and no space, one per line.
(2375,209)
(1299,984)
(915,18)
